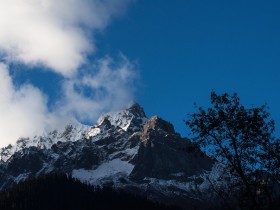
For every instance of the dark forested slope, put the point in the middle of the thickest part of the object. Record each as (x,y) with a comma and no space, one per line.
(62,192)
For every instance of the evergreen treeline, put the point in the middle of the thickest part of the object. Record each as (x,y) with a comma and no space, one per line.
(60,192)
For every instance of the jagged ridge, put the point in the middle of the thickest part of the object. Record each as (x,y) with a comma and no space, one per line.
(125,150)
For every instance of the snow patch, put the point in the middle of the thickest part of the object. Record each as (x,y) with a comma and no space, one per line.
(217,171)
(131,151)
(21,177)
(162,184)
(106,170)
(93,132)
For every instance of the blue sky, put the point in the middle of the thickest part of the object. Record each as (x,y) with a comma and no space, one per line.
(187,48)
(172,53)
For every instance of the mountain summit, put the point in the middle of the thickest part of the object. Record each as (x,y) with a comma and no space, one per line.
(130,119)
(124,149)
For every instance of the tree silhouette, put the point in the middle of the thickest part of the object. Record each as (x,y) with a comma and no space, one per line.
(242,139)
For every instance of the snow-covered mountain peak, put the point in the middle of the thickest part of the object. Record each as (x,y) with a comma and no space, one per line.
(130,119)
(72,132)
(123,149)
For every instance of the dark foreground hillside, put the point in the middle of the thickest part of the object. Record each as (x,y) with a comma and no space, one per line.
(55,192)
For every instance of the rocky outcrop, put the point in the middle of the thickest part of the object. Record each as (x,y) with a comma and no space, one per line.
(162,154)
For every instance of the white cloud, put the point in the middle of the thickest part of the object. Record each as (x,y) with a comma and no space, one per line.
(24,111)
(58,35)
(53,33)
(109,86)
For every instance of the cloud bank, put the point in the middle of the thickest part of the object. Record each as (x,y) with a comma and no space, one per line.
(59,36)
(53,33)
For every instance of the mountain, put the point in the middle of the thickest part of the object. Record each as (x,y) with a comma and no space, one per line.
(124,150)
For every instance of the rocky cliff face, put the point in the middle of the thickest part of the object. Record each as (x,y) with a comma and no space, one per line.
(124,149)
(162,154)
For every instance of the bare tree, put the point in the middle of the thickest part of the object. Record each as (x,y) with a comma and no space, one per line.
(241,138)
